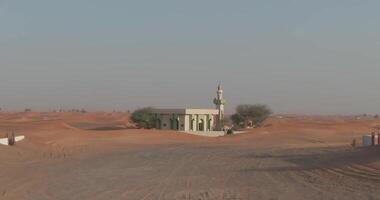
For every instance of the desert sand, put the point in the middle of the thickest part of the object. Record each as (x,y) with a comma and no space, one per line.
(102,156)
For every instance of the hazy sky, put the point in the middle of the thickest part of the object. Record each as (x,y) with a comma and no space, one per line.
(297,56)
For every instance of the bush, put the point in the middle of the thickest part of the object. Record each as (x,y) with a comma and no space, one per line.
(143,118)
(255,114)
(237,119)
(230,132)
(353,143)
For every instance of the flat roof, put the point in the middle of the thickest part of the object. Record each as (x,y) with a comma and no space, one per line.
(184,111)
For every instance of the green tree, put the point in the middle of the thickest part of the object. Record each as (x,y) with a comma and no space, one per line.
(246,113)
(237,119)
(143,118)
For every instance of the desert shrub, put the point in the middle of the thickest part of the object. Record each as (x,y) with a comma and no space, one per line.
(237,119)
(230,132)
(143,118)
(255,114)
(353,143)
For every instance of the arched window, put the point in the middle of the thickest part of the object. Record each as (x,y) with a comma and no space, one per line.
(171,124)
(177,124)
(201,125)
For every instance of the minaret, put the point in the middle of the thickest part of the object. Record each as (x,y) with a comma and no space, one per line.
(219,102)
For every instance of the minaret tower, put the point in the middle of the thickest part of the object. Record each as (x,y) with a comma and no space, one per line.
(219,102)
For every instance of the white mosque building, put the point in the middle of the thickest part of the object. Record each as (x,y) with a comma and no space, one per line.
(189,119)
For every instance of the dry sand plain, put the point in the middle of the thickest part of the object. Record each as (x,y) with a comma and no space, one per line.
(76,156)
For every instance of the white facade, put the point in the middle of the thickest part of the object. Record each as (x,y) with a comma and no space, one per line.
(192,119)
(186,119)
(5,141)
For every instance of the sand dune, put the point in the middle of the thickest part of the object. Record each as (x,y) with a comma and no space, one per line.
(292,157)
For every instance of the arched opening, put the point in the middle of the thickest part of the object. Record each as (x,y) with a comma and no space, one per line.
(209,125)
(171,124)
(177,124)
(201,125)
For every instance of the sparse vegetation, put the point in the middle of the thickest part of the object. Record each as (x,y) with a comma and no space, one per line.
(28,110)
(143,118)
(237,119)
(251,115)
(230,132)
(353,144)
